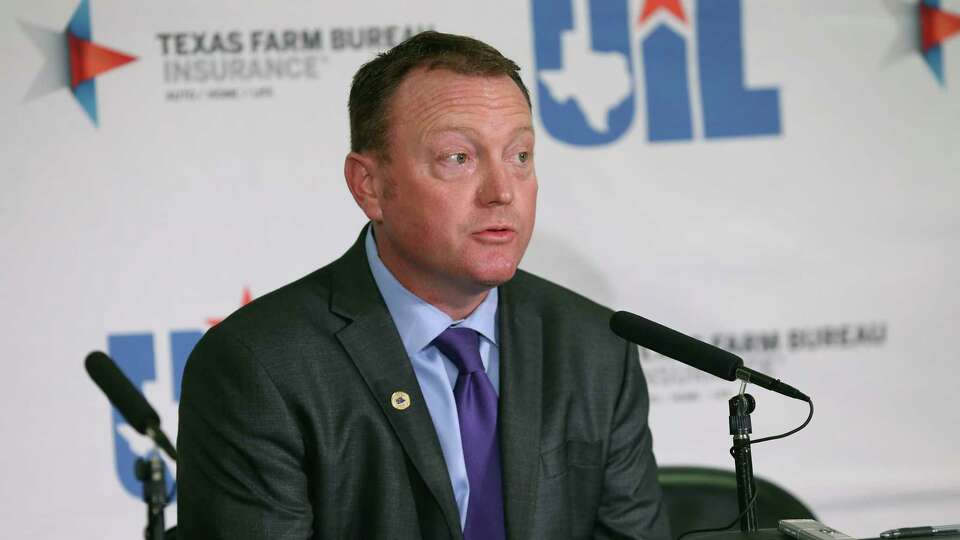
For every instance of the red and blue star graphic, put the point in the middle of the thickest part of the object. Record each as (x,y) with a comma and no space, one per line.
(73,60)
(652,6)
(246,299)
(936,26)
(923,27)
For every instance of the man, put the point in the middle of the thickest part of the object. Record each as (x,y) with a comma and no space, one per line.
(421,386)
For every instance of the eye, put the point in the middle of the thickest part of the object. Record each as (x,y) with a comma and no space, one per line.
(523,157)
(457,157)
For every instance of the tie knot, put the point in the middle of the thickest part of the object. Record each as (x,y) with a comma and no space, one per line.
(462,346)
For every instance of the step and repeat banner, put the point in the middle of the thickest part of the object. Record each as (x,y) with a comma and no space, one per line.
(778,178)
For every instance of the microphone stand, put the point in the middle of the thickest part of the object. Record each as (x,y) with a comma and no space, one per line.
(150,472)
(741,406)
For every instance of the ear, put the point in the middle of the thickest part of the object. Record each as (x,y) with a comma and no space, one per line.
(361,173)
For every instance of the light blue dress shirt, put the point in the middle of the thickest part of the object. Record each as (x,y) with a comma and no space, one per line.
(419,323)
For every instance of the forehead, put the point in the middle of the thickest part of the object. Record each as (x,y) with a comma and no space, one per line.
(431,98)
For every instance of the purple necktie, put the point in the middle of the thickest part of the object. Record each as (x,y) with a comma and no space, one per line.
(477,410)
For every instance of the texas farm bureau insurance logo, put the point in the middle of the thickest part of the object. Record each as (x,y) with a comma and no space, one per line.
(158,377)
(587,52)
(237,64)
(72,60)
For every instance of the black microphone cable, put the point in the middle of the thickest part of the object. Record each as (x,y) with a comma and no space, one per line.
(753,500)
(721,529)
(786,434)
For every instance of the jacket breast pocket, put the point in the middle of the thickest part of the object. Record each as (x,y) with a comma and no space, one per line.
(578,454)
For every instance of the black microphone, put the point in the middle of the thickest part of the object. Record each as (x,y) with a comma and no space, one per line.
(694,352)
(127,399)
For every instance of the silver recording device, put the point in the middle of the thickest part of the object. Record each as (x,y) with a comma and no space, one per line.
(810,529)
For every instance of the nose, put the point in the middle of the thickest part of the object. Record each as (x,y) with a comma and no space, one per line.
(497,186)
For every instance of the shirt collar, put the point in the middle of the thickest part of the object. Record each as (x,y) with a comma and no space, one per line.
(417,321)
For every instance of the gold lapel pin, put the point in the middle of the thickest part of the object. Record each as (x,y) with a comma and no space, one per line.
(400,400)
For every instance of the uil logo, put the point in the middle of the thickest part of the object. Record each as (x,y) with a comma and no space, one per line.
(589,53)
(155,367)
(159,381)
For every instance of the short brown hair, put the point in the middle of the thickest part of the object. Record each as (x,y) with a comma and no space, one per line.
(377,80)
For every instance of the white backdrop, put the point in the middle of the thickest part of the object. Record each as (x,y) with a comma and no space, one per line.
(813,228)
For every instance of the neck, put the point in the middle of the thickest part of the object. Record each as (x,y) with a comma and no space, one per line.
(456,308)
(457,300)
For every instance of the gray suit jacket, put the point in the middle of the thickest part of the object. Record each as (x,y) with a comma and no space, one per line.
(287,429)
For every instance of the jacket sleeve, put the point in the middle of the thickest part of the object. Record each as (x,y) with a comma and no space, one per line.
(631,506)
(241,456)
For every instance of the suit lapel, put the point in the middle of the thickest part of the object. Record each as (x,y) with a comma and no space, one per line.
(374,345)
(521,362)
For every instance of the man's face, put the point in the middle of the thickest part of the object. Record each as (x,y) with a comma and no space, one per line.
(460,187)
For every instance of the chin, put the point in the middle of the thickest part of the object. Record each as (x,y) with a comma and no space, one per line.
(495,276)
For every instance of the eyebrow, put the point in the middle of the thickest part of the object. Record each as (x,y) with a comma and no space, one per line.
(471,131)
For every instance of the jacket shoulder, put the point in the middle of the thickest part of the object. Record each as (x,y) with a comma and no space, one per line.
(290,314)
(559,306)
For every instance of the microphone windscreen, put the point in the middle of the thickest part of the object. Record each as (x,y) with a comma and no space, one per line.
(121,392)
(673,344)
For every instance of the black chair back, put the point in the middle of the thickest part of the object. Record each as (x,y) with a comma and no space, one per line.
(704,497)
